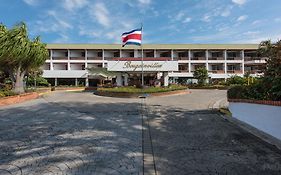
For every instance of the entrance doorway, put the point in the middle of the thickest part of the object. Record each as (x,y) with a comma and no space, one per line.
(148,79)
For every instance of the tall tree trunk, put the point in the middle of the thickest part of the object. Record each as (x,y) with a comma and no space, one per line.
(19,88)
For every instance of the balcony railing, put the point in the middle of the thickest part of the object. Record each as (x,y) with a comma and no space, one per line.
(94,58)
(254,58)
(216,58)
(77,58)
(181,58)
(217,71)
(60,58)
(234,71)
(234,58)
(198,58)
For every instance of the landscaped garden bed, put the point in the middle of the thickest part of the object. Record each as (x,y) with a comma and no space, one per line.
(131,91)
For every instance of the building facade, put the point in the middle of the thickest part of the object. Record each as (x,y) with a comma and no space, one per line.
(164,62)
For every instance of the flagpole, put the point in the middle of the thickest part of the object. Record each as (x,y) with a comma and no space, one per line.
(142,81)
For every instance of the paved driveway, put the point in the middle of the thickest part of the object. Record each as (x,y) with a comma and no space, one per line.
(80,133)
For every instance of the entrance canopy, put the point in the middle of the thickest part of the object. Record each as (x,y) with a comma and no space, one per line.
(149,65)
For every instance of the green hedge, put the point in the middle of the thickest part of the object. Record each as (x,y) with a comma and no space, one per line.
(131,89)
(5,93)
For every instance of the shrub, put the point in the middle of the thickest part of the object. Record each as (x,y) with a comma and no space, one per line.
(237,92)
(5,93)
(236,80)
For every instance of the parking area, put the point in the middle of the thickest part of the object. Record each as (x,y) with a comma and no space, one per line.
(80,133)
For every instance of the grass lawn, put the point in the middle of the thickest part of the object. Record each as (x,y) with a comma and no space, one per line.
(131,89)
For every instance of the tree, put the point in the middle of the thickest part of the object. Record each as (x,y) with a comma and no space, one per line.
(201,74)
(272,75)
(19,54)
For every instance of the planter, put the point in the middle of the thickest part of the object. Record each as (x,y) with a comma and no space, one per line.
(136,95)
(18,98)
(262,114)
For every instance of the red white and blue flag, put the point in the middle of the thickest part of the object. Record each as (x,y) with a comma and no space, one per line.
(133,37)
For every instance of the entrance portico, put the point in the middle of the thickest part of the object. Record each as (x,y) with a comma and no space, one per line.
(130,69)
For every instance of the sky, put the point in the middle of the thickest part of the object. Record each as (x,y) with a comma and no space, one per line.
(164,21)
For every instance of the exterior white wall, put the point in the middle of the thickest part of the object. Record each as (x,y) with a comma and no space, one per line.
(264,117)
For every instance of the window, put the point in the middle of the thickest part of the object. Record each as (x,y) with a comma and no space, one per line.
(131,54)
(99,54)
(116,54)
(66,54)
(83,54)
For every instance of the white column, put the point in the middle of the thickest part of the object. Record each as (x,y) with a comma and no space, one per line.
(166,78)
(155,54)
(225,61)
(76,82)
(119,79)
(68,60)
(126,80)
(189,61)
(86,58)
(243,61)
(102,57)
(172,54)
(87,82)
(120,52)
(51,60)
(56,81)
(207,58)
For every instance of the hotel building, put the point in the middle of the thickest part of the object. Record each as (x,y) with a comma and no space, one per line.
(164,62)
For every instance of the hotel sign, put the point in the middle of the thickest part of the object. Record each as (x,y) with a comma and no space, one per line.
(148,66)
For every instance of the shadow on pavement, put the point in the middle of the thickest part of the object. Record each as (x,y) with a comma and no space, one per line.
(71,138)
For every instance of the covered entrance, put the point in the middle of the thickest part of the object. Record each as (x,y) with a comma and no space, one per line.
(129,70)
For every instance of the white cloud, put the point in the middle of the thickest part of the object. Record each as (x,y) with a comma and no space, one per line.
(206,18)
(242,18)
(100,12)
(256,22)
(31,2)
(74,4)
(227,11)
(62,39)
(277,19)
(179,16)
(145,2)
(186,20)
(239,2)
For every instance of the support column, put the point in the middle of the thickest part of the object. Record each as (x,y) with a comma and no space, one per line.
(207,58)
(51,60)
(76,82)
(56,81)
(166,78)
(189,61)
(225,63)
(86,58)
(243,61)
(102,57)
(87,82)
(119,79)
(126,80)
(172,54)
(68,60)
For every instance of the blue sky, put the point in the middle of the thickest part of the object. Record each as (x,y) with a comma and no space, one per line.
(164,21)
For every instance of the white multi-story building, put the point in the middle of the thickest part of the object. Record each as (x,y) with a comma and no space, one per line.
(166,62)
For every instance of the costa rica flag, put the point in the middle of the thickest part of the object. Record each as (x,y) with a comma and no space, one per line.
(132,37)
